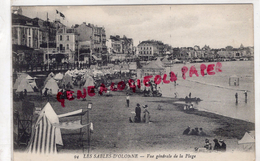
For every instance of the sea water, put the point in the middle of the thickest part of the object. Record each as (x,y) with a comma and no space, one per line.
(215,91)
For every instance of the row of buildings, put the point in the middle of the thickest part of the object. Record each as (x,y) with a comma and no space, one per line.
(54,39)
(150,49)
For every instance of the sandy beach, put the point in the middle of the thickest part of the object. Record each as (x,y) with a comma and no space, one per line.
(113,133)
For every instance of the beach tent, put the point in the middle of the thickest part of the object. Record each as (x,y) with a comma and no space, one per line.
(66,79)
(58,76)
(69,72)
(89,81)
(85,76)
(45,136)
(24,84)
(159,62)
(248,141)
(154,65)
(19,79)
(51,75)
(46,133)
(51,85)
(166,62)
(90,72)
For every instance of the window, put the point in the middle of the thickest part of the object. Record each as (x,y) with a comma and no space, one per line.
(68,38)
(29,32)
(150,52)
(141,52)
(147,48)
(60,37)
(141,48)
(150,48)
(68,46)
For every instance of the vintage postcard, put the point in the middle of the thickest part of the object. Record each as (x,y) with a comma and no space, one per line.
(133,82)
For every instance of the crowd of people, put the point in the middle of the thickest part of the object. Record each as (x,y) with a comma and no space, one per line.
(218,145)
(195,131)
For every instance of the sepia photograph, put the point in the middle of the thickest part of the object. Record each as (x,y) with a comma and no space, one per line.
(133,82)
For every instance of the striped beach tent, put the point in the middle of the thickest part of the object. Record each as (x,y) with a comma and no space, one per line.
(46,132)
(45,135)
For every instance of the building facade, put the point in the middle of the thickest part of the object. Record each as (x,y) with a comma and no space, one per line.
(150,49)
(25,32)
(116,44)
(48,30)
(96,35)
(67,42)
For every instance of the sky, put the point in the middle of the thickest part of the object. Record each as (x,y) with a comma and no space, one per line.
(177,25)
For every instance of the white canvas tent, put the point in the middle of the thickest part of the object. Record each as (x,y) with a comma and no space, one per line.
(89,81)
(19,79)
(24,84)
(248,141)
(67,79)
(51,75)
(51,85)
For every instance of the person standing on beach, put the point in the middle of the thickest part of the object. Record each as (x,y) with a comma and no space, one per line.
(236,95)
(138,113)
(25,93)
(245,96)
(127,100)
(146,114)
(190,95)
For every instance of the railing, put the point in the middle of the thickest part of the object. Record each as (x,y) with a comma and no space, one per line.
(45,67)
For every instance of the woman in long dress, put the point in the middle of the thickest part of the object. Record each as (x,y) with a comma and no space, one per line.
(146,114)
